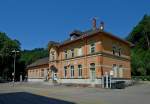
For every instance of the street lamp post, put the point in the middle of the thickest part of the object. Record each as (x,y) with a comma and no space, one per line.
(15,54)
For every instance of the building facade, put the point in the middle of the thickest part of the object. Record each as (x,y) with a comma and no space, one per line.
(86,57)
(38,70)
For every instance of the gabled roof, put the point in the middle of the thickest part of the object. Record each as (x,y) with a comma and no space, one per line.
(92,32)
(76,32)
(53,42)
(89,33)
(41,61)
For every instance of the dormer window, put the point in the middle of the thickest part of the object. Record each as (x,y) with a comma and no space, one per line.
(75,34)
(73,37)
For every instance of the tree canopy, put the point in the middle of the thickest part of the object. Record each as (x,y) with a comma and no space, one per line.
(23,58)
(7,45)
(29,56)
(140,55)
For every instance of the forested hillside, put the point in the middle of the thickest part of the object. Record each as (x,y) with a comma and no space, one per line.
(29,56)
(140,56)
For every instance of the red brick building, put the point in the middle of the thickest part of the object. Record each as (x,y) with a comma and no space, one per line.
(87,56)
(38,70)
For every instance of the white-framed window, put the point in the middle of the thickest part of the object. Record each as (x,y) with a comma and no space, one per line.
(115,70)
(66,54)
(92,48)
(93,72)
(72,52)
(72,71)
(79,52)
(65,71)
(120,71)
(80,71)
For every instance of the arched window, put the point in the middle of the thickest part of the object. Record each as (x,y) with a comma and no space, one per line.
(80,71)
(72,71)
(92,71)
(65,72)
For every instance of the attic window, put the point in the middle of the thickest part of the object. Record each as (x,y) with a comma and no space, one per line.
(73,37)
(75,34)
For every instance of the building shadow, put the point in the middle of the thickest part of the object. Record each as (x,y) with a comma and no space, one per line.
(28,98)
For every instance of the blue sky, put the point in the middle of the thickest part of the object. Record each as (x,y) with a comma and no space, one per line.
(35,22)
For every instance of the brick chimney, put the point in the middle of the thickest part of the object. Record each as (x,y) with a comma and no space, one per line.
(94,24)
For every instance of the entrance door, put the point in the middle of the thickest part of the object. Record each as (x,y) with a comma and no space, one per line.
(54,76)
(53,73)
(92,72)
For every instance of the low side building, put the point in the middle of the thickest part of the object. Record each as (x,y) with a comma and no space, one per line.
(38,70)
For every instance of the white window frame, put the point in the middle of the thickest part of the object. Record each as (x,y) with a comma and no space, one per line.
(93,71)
(120,71)
(72,52)
(80,71)
(92,46)
(115,70)
(65,71)
(65,54)
(71,71)
(79,51)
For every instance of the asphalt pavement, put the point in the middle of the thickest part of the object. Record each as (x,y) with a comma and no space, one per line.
(39,93)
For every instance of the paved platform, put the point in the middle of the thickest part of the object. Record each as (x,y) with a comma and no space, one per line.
(37,93)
